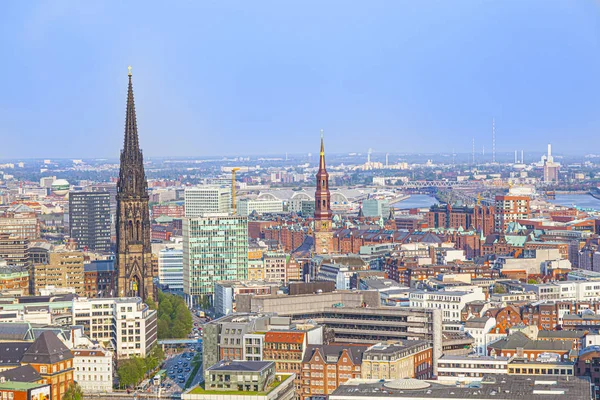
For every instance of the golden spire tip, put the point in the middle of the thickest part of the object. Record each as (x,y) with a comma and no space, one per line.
(129,70)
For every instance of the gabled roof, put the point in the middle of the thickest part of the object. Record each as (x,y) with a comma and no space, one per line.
(11,353)
(335,351)
(520,340)
(25,373)
(15,331)
(47,349)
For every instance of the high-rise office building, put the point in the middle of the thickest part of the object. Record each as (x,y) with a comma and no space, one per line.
(215,248)
(134,253)
(200,200)
(170,268)
(89,220)
(111,189)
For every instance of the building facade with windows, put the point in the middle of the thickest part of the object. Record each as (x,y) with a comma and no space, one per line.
(215,248)
(93,370)
(170,268)
(126,325)
(90,220)
(326,367)
(64,270)
(407,359)
(200,200)
(509,208)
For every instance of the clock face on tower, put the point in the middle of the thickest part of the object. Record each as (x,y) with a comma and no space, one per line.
(324,225)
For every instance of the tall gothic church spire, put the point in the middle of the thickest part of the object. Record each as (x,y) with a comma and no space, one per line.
(131,145)
(134,254)
(132,178)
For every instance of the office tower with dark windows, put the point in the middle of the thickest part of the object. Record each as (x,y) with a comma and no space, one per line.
(89,220)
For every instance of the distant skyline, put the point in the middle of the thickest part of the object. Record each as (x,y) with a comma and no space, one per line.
(242,78)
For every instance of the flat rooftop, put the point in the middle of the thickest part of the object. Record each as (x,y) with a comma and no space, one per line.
(505,387)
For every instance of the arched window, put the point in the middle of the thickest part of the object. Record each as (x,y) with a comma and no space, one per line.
(130,229)
(138,231)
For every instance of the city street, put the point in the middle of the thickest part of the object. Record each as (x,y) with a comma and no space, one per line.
(179,368)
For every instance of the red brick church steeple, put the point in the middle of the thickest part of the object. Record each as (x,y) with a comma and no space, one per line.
(323,233)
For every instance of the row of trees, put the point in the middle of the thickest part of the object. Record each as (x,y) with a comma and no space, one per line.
(132,370)
(174,317)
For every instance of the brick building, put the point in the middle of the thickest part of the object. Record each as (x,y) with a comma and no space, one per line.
(480,218)
(53,361)
(506,318)
(173,210)
(286,349)
(509,208)
(98,276)
(324,368)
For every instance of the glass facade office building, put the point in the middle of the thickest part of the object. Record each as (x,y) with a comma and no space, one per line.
(215,248)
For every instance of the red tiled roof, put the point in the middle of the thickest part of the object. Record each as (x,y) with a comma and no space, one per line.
(284,337)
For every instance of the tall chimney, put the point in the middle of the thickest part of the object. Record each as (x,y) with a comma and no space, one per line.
(549,151)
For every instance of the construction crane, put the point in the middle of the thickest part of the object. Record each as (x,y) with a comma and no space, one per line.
(233,203)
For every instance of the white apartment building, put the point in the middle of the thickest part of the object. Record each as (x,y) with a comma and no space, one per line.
(447,255)
(566,291)
(200,200)
(450,302)
(478,329)
(170,267)
(470,369)
(126,325)
(246,207)
(93,370)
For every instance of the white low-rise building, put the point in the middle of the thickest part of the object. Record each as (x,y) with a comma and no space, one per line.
(449,301)
(566,291)
(469,369)
(245,207)
(479,328)
(93,370)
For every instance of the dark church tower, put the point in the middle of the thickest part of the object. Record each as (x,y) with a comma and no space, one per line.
(323,230)
(134,254)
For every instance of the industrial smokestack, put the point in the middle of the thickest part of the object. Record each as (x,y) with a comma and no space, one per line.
(549,151)
(522,162)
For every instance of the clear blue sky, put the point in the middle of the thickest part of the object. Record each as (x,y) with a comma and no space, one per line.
(262,77)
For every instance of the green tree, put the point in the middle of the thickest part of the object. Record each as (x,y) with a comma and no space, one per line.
(174,318)
(73,392)
(163,329)
(151,304)
(131,371)
(154,358)
(499,289)
(532,281)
